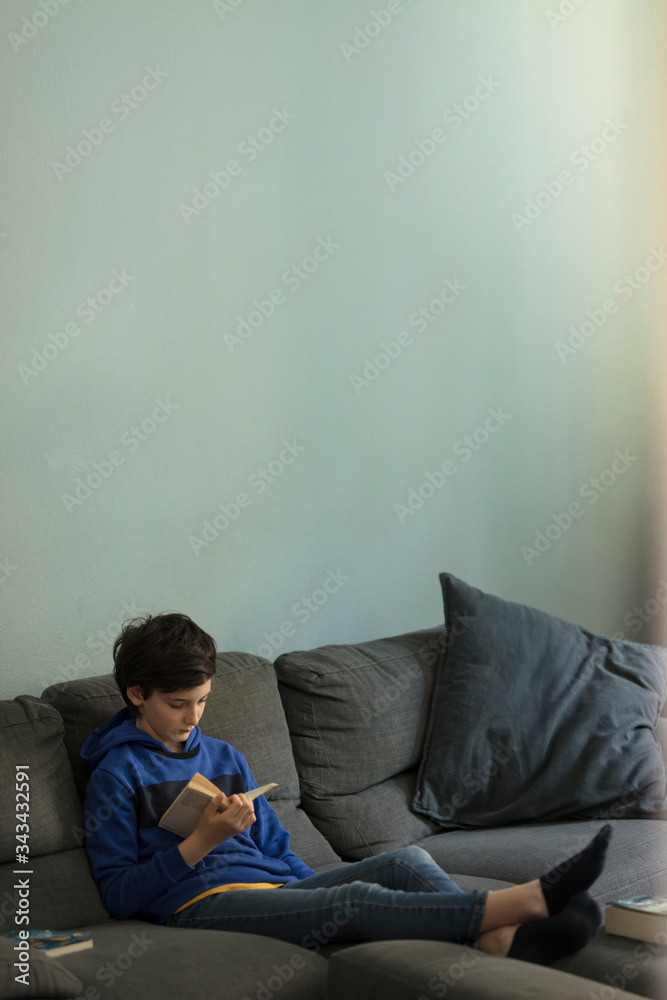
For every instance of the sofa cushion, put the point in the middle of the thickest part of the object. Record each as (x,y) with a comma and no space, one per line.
(636,861)
(415,970)
(46,977)
(357,716)
(620,963)
(136,960)
(243,709)
(534,718)
(53,905)
(636,864)
(31,732)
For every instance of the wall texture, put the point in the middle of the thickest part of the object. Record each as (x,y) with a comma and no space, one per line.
(307,302)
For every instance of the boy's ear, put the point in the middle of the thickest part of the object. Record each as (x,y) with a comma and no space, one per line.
(135,694)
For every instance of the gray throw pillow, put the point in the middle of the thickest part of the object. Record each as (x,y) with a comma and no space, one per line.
(534,718)
(46,978)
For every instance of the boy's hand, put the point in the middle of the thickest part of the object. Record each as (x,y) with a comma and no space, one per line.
(214,827)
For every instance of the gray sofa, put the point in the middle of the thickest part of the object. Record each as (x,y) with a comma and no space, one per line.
(341,730)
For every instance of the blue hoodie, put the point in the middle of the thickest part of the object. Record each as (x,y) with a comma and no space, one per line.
(137,865)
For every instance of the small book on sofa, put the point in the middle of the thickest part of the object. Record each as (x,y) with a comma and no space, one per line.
(184,813)
(53,943)
(641,917)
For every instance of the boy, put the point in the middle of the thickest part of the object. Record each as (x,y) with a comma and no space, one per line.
(236,871)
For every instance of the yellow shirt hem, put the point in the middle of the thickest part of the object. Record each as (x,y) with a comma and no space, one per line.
(224,888)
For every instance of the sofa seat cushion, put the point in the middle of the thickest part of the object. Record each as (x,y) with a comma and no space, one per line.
(620,963)
(636,860)
(357,716)
(636,864)
(414,970)
(135,960)
(44,976)
(243,708)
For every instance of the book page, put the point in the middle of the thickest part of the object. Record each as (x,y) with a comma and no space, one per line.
(644,904)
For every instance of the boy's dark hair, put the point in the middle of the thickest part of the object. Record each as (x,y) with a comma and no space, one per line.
(165,652)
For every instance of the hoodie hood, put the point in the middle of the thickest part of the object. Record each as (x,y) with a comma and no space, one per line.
(121,728)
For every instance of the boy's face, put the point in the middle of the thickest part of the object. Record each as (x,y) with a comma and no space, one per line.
(170,716)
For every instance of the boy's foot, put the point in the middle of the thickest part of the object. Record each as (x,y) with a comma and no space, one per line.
(545,941)
(577,873)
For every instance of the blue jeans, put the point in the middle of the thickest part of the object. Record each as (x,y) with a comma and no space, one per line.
(402,893)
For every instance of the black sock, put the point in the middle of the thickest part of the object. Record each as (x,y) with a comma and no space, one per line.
(576,873)
(545,941)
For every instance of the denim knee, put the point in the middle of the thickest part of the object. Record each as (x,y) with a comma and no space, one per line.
(413,850)
(411,854)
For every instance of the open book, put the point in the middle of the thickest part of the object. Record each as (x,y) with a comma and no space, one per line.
(185,811)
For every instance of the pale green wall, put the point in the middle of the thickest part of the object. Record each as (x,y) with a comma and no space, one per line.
(69,574)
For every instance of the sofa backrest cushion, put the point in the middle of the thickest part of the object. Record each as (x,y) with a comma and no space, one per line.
(31,735)
(243,709)
(357,717)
